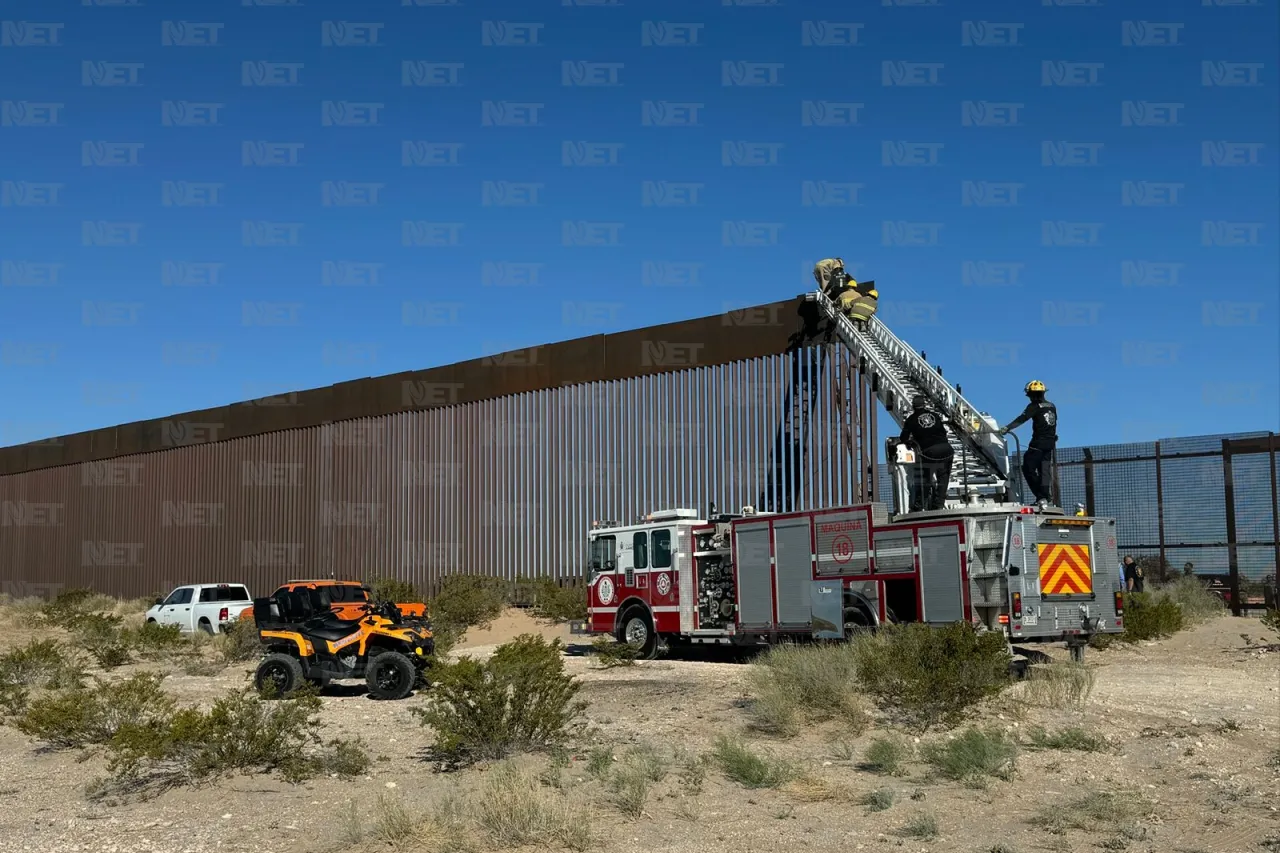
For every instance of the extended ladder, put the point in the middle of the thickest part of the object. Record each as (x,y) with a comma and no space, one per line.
(897,373)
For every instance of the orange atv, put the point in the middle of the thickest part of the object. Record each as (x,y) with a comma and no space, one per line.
(348,599)
(305,641)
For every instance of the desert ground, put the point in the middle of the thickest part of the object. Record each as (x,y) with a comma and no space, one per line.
(1193,724)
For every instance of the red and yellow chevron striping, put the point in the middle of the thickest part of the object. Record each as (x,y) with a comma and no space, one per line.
(1065,569)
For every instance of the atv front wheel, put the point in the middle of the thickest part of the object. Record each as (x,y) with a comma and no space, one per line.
(278,674)
(390,675)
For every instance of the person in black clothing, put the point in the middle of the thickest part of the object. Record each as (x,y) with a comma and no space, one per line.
(925,430)
(1044,439)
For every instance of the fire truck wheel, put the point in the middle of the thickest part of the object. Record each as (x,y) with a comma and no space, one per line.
(856,623)
(638,632)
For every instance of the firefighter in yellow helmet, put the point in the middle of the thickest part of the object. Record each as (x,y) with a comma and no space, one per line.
(1038,458)
(856,300)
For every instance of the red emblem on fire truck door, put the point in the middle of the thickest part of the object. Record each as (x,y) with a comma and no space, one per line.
(1017,540)
(604,589)
(663,583)
(842,549)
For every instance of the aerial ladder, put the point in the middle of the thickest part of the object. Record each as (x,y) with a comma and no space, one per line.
(897,374)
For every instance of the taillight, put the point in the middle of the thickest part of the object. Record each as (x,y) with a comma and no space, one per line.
(222,615)
(1017,605)
(1119,603)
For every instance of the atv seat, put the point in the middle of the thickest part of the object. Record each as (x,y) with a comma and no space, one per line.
(317,616)
(306,611)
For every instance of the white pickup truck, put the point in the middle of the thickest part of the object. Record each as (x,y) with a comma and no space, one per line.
(208,607)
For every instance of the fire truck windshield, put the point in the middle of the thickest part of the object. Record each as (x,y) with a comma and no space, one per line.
(603,554)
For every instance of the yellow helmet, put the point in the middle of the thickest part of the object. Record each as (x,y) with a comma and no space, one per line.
(1035,385)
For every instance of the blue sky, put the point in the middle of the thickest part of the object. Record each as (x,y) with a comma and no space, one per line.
(1159,325)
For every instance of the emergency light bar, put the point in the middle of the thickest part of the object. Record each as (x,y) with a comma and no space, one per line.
(1068,522)
(671,514)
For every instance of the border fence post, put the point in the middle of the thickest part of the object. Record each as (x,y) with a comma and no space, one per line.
(1229,495)
(1272,447)
(1160,505)
(1088,482)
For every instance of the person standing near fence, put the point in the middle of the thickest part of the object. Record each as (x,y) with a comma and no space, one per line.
(1132,574)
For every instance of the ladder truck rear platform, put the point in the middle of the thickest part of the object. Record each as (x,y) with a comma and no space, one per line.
(677,578)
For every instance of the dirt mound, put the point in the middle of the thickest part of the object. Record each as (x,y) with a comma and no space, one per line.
(511,624)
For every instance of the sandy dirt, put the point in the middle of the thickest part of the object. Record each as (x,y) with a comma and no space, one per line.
(1162,704)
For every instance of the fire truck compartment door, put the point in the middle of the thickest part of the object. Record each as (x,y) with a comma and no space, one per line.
(755,580)
(794,568)
(940,576)
(827,616)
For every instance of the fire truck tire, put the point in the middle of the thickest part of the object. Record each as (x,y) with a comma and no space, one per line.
(637,630)
(856,622)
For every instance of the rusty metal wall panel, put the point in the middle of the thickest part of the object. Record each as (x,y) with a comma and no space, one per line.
(505,486)
(243,511)
(599,358)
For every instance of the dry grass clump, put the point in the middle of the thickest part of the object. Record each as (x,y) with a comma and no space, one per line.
(1058,685)
(798,685)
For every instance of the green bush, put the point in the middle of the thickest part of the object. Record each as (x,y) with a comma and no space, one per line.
(71,604)
(39,664)
(521,699)
(242,733)
(150,742)
(1074,738)
(394,590)
(1150,616)
(1194,599)
(153,641)
(95,715)
(609,653)
(469,601)
(932,675)
(557,603)
(878,800)
(101,635)
(465,601)
(793,685)
(974,755)
(887,755)
(240,642)
(745,767)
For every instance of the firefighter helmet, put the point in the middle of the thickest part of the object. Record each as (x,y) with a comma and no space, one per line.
(1035,385)
(919,401)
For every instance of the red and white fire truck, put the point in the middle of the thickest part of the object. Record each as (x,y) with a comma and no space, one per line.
(753,578)
(675,577)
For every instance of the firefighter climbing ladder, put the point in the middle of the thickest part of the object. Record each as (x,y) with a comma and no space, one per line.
(897,373)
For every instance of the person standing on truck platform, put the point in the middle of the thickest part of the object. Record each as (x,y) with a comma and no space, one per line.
(1038,458)
(925,430)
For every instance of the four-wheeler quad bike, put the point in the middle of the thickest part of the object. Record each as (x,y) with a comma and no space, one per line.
(306,641)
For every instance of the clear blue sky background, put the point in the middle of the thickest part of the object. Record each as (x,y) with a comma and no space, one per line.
(1125,360)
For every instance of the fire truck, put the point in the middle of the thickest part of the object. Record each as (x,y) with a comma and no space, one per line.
(678,577)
